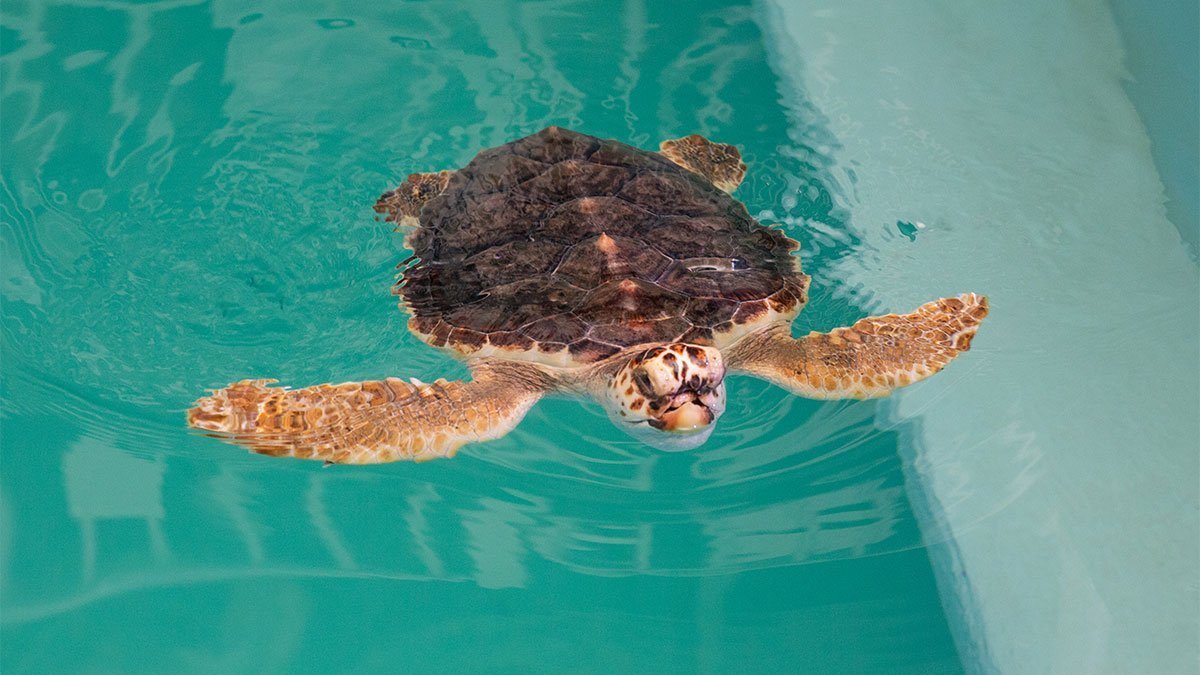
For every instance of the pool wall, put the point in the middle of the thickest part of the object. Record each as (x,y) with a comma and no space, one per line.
(1057,461)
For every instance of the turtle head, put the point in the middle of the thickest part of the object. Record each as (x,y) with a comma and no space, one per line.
(669,396)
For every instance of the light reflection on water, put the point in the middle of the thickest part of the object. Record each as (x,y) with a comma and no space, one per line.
(186,201)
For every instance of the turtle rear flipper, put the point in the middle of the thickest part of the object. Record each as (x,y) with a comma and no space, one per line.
(870,358)
(403,205)
(370,422)
(721,164)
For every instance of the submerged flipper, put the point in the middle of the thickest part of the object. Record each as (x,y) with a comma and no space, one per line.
(403,205)
(870,358)
(721,164)
(371,422)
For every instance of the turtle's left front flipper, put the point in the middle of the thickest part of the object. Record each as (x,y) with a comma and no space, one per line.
(868,359)
(371,422)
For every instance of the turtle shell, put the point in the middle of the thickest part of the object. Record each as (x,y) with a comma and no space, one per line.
(566,249)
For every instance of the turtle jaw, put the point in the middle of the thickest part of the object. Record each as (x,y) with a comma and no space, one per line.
(677,429)
(684,418)
(688,411)
(668,441)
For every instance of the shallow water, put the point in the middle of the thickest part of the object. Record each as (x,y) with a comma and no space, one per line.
(186,201)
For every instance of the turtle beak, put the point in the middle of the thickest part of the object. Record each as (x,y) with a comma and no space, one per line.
(686,418)
(689,411)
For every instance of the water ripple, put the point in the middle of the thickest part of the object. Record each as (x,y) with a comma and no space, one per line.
(180,216)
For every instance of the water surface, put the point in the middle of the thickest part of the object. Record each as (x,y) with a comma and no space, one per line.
(187,193)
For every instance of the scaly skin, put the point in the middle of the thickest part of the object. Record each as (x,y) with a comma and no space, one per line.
(720,163)
(868,359)
(371,422)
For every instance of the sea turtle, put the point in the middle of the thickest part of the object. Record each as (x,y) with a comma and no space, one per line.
(564,263)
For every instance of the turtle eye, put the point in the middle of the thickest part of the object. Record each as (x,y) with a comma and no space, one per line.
(642,380)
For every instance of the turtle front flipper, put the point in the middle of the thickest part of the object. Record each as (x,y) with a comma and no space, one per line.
(403,205)
(868,359)
(721,164)
(371,422)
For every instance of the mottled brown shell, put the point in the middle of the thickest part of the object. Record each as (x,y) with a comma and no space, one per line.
(566,249)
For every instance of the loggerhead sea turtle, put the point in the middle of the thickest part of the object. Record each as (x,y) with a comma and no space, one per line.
(564,263)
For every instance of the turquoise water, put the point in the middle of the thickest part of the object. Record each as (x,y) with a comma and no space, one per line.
(186,201)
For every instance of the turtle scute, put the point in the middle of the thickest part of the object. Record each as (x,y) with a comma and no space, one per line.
(598,259)
(562,243)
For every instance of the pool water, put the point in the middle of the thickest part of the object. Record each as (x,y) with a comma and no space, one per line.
(186,202)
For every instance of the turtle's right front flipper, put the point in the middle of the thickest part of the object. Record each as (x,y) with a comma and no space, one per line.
(371,422)
(403,205)
(720,163)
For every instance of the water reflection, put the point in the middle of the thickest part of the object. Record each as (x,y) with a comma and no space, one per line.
(104,484)
(831,501)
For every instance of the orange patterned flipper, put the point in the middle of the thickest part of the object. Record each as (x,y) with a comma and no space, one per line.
(370,422)
(721,164)
(870,358)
